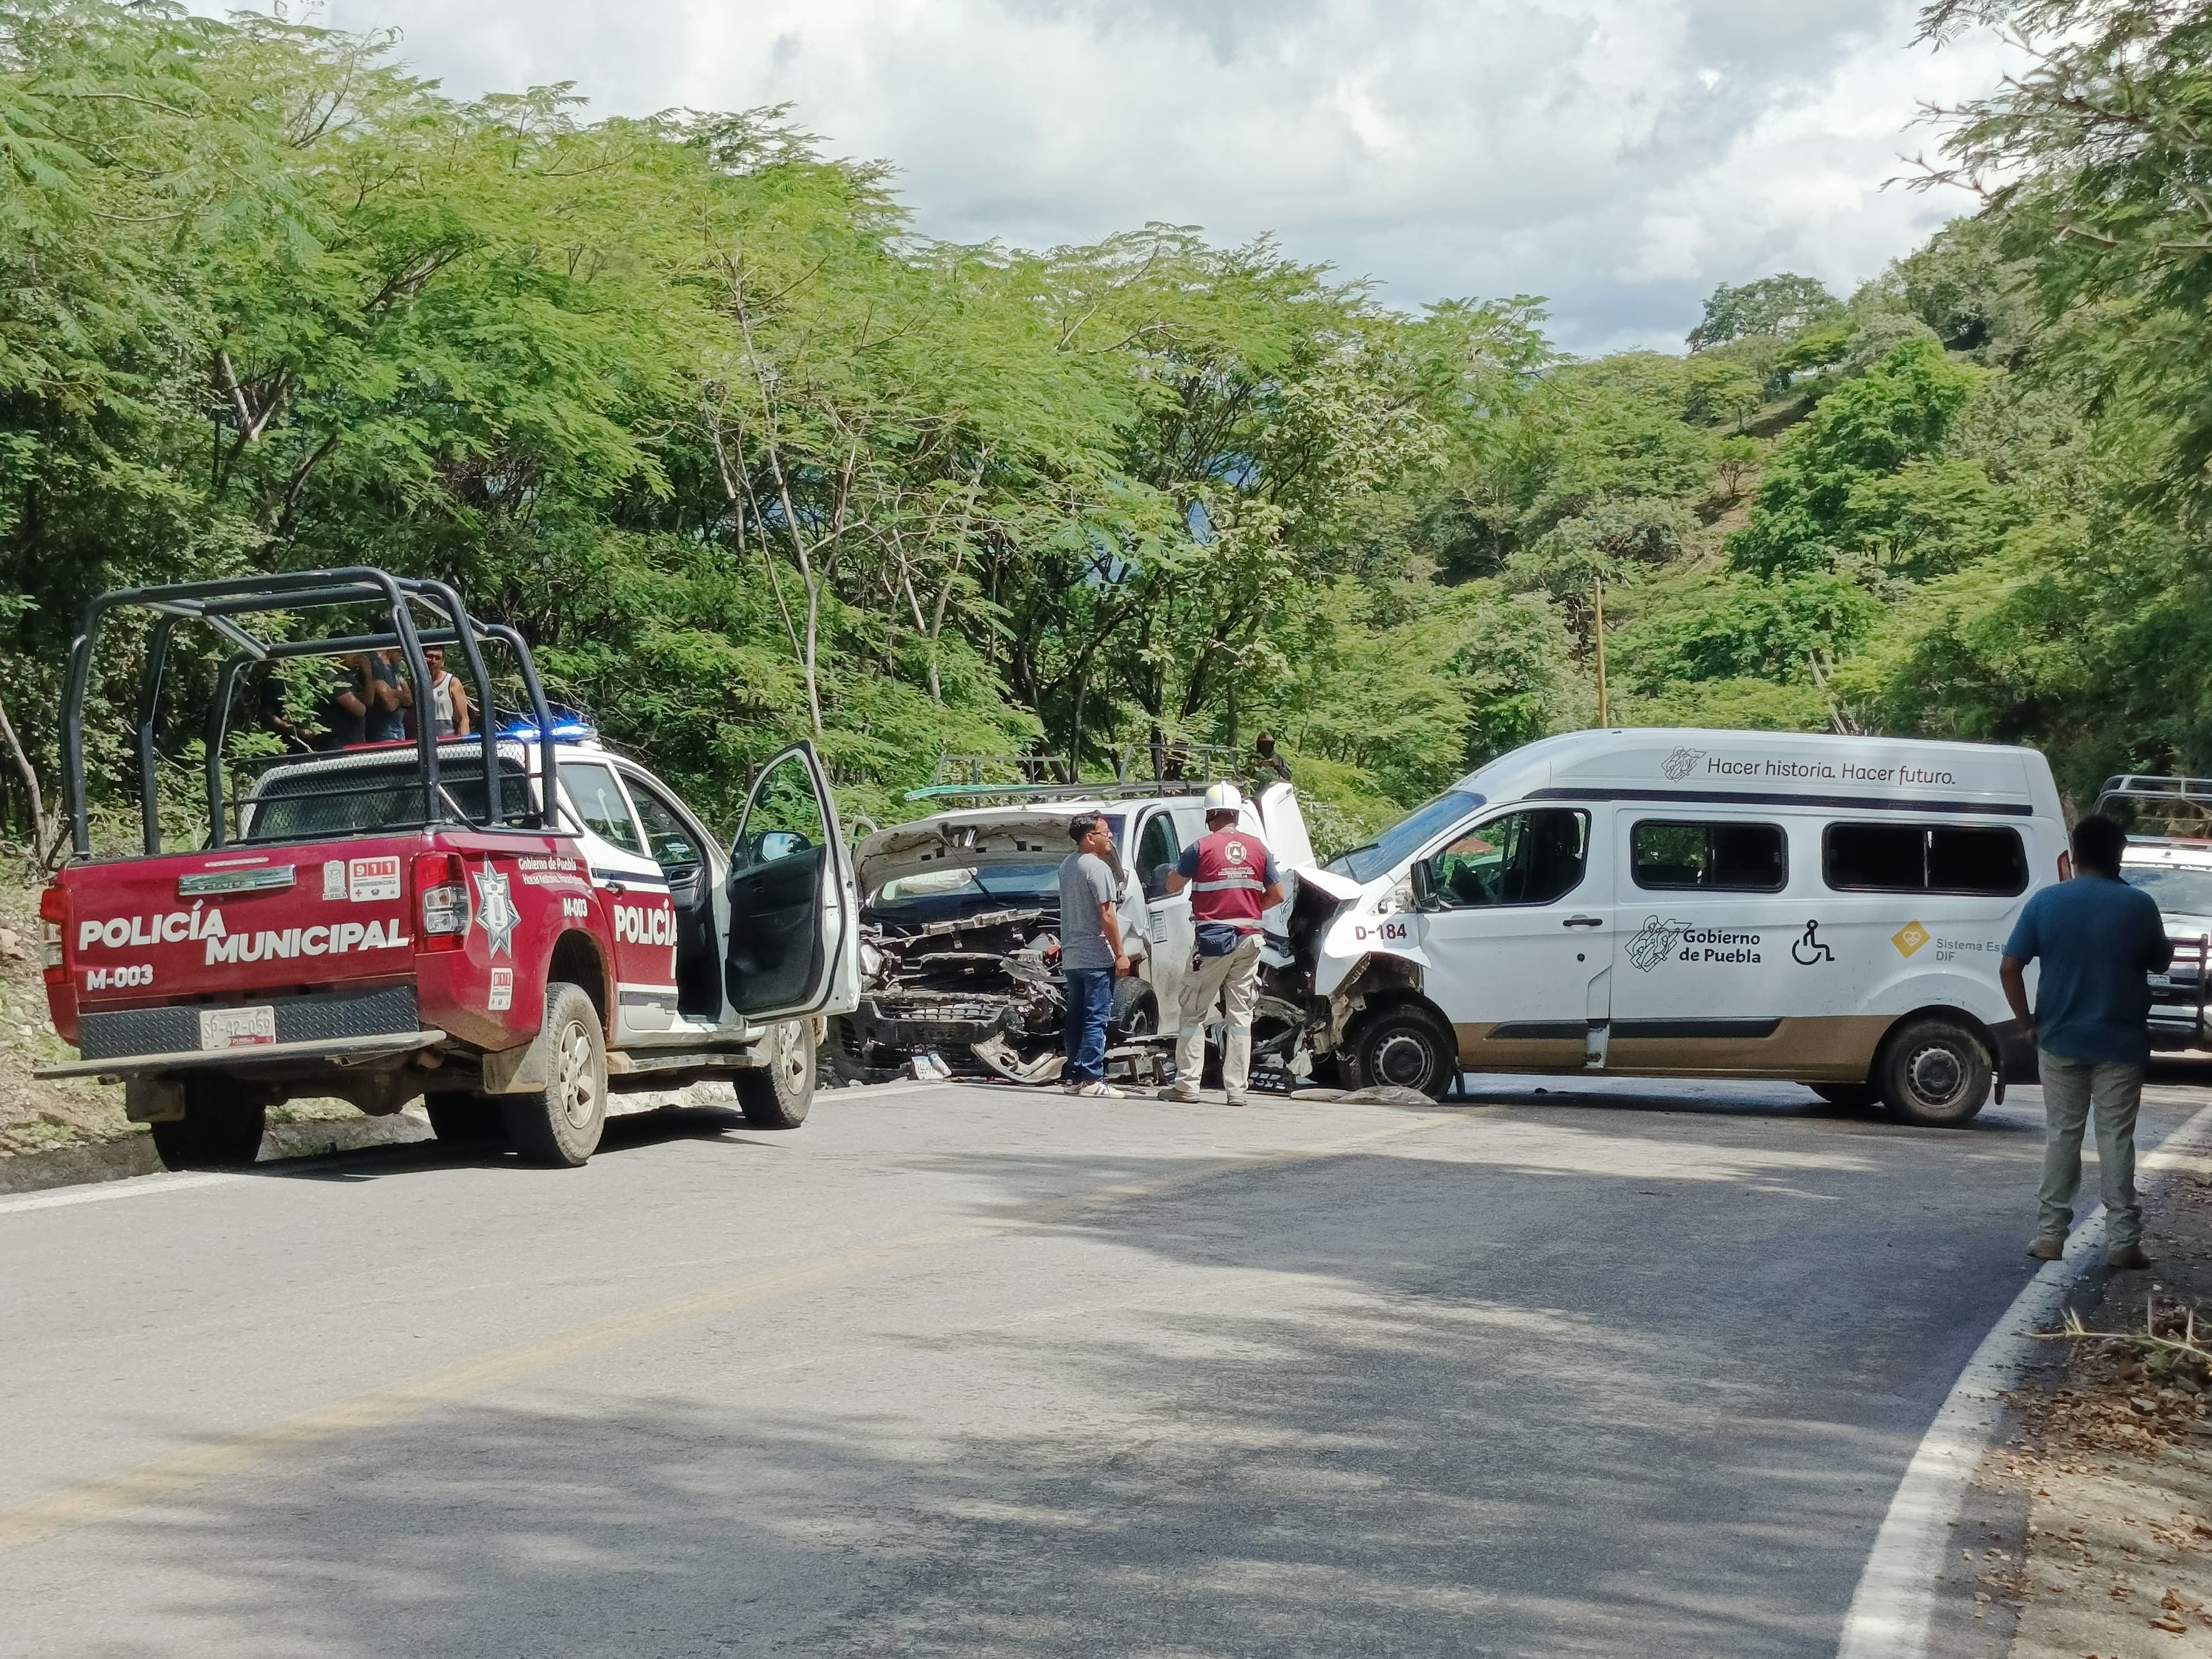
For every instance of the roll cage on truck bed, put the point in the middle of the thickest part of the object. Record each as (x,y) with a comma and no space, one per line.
(514,926)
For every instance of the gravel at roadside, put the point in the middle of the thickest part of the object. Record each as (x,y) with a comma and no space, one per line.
(2114,1461)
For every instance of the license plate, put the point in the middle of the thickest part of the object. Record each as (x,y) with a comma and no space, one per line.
(2161,982)
(237,1028)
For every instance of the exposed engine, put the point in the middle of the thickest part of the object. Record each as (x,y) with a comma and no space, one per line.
(943,986)
(960,959)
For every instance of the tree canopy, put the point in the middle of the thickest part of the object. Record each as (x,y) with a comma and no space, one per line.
(748,455)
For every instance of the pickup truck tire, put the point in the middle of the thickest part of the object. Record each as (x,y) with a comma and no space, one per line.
(466,1119)
(1405,1046)
(1135,1012)
(776,1096)
(561,1127)
(221,1127)
(1934,1073)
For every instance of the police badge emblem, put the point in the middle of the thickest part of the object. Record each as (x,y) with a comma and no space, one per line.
(495,911)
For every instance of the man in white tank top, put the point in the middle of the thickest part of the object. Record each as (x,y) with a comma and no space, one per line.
(449,698)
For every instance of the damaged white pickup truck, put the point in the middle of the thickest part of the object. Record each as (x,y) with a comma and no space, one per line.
(960,951)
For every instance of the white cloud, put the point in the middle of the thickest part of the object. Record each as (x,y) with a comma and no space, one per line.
(1621,156)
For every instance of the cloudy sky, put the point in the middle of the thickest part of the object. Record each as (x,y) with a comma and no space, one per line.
(1620,156)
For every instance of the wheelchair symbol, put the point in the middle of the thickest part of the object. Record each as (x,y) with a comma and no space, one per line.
(1808,950)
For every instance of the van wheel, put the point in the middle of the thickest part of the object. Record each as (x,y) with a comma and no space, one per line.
(1934,1074)
(466,1119)
(221,1127)
(1848,1096)
(1405,1047)
(561,1126)
(776,1096)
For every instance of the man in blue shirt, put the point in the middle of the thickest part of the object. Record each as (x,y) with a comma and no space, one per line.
(2096,938)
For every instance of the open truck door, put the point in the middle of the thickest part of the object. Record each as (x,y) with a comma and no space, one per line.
(793,945)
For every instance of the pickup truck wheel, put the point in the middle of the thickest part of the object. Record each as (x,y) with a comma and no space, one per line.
(1934,1073)
(221,1127)
(1135,1012)
(777,1095)
(466,1119)
(1405,1047)
(561,1126)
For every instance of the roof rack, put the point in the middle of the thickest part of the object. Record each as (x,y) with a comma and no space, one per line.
(2155,807)
(2145,786)
(1175,768)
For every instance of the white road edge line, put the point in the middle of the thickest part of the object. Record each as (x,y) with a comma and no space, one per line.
(135,1187)
(1895,1602)
(151,1186)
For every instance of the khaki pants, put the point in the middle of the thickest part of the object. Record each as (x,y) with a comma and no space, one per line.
(2071,1089)
(1234,979)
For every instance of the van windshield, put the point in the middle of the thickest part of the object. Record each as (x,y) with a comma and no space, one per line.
(1405,838)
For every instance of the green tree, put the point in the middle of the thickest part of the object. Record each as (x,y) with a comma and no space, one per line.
(1866,429)
(1781,305)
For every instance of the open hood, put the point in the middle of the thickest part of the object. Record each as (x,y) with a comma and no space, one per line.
(909,849)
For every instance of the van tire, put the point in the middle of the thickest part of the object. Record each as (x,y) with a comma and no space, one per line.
(466,1119)
(221,1127)
(1934,1073)
(560,1126)
(1405,1047)
(777,1096)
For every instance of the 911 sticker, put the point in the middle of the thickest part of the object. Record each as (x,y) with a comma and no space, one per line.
(502,991)
(372,880)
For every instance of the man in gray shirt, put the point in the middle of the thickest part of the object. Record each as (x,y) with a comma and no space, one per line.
(1090,953)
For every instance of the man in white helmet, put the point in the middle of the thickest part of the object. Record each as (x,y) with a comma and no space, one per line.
(1233,878)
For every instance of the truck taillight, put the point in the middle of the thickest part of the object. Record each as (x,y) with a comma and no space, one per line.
(441,890)
(2066,866)
(53,926)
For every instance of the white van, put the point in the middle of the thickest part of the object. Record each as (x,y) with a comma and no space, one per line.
(1829,910)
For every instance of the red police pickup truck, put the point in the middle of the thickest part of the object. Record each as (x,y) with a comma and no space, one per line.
(512,927)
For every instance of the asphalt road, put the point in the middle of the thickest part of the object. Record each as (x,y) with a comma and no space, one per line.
(1601,1369)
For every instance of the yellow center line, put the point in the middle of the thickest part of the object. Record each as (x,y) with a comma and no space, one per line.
(499,1368)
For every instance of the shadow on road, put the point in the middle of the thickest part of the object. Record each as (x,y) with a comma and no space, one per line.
(1508,1386)
(726,1125)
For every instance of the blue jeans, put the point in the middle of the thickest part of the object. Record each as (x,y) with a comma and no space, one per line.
(1090,1000)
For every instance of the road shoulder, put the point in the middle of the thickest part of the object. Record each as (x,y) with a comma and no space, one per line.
(2114,1461)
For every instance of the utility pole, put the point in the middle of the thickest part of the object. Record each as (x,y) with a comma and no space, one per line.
(1598,585)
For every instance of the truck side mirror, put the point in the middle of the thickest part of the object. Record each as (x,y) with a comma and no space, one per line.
(1423,876)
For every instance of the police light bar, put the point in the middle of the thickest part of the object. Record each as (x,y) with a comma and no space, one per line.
(566,728)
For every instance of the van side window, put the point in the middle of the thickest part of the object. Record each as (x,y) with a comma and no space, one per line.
(1977,862)
(1525,858)
(1719,857)
(1157,852)
(1913,858)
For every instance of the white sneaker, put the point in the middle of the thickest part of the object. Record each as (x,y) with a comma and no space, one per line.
(1098,1091)
(1234,1100)
(1180,1093)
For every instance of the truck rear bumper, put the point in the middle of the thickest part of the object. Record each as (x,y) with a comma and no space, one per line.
(341,1050)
